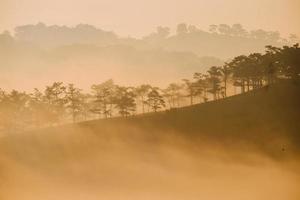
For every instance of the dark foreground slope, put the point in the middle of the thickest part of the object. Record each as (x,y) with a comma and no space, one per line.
(266,119)
(243,147)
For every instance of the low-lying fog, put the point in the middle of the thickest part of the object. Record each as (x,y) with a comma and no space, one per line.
(86,163)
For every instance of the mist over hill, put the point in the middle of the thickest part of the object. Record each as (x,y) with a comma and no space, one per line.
(245,146)
(39,54)
(213,42)
(149,100)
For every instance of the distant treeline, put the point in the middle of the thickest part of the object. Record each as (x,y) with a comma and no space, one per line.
(189,38)
(31,51)
(60,103)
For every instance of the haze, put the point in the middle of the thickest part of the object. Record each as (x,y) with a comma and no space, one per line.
(137,18)
(149,99)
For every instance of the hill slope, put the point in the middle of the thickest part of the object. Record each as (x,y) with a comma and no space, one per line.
(227,149)
(266,118)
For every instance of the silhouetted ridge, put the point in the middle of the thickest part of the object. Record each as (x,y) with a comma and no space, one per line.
(265,118)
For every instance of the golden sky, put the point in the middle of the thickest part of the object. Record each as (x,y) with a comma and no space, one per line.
(139,17)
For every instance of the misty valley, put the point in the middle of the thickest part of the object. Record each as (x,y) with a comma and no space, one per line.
(183,113)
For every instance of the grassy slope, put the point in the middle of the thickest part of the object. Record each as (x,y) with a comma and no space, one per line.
(217,150)
(266,120)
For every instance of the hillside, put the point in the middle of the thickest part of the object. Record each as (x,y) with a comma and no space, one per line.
(233,145)
(266,118)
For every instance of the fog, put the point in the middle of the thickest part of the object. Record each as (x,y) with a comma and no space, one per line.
(137,18)
(36,55)
(85,162)
(170,100)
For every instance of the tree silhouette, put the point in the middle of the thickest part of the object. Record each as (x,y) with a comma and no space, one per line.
(125,100)
(225,74)
(15,110)
(39,108)
(56,100)
(75,101)
(214,80)
(238,65)
(289,58)
(155,100)
(173,94)
(58,103)
(141,93)
(182,29)
(202,84)
(104,96)
(191,89)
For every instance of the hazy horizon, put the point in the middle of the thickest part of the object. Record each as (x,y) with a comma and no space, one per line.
(71,54)
(149,99)
(137,19)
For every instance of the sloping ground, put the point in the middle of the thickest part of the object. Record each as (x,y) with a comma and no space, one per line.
(267,119)
(243,147)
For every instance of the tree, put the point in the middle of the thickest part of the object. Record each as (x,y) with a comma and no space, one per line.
(289,58)
(141,93)
(214,79)
(104,98)
(3,108)
(87,106)
(182,29)
(58,103)
(125,101)
(74,99)
(202,84)
(293,39)
(259,34)
(39,108)
(14,109)
(255,71)
(191,89)
(56,100)
(270,62)
(224,29)
(157,37)
(238,30)
(193,29)
(273,36)
(163,32)
(213,28)
(225,73)
(238,66)
(173,94)
(155,100)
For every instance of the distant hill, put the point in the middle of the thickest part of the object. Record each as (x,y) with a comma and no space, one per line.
(222,41)
(39,54)
(23,61)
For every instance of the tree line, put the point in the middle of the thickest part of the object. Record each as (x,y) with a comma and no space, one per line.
(60,103)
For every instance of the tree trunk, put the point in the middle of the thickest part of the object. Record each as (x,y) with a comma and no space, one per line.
(243,86)
(215,95)
(248,85)
(143,104)
(225,88)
